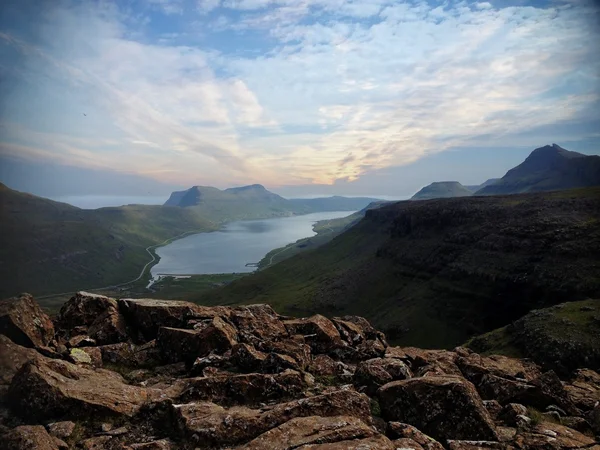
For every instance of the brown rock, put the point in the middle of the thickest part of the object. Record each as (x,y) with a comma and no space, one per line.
(61,430)
(398,430)
(130,355)
(407,444)
(246,357)
(162,444)
(28,437)
(553,436)
(97,314)
(24,322)
(493,407)
(13,357)
(374,373)
(311,430)
(148,315)
(95,355)
(275,363)
(320,333)
(443,407)
(377,442)
(257,323)
(295,348)
(177,344)
(243,389)
(584,389)
(474,366)
(432,362)
(479,445)
(56,388)
(511,412)
(323,365)
(81,340)
(96,443)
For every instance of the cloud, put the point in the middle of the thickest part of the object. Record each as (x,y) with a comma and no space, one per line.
(296,91)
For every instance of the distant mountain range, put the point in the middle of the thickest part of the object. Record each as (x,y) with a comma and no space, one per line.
(547,168)
(255,201)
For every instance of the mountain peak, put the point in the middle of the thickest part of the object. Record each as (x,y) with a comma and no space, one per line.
(552,151)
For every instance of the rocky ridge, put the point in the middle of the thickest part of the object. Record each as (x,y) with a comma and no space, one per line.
(152,374)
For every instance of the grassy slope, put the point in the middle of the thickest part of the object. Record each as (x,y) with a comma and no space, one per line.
(434,273)
(48,247)
(562,337)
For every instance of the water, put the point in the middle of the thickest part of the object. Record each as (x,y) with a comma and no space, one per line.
(101,201)
(239,243)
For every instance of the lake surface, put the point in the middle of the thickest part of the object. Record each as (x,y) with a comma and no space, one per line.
(238,243)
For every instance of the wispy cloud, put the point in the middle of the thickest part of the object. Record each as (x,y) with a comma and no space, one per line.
(332,89)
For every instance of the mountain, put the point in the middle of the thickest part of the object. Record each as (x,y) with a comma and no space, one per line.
(49,247)
(254,201)
(548,168)
(476,187)
(442,189)
(435,273)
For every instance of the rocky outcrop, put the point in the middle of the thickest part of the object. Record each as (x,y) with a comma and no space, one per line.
(24,322)
(180,376)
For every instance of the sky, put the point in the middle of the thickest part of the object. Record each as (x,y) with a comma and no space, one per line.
(307,97)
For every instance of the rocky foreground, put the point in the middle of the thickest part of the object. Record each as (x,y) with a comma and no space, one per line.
(152,374)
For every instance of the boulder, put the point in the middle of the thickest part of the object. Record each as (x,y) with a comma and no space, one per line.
(406,444)
(29,437)
(304,431)
(479,445)
(318,331)
(374,373)
(398,430)
(324,365)
(257,323)
(511,412)
(377,442)
(549,435)
(243,389)
(129,355)
(275,363)
(431,362)
(296,349)
(13,357)
(246,357)
(54,388)
(442,407)
(148,315)
(493,407)
(162,444)
(97,314)
(24,322)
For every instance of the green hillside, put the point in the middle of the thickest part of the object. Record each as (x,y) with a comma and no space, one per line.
(435,273)
(442,189)
(48,247)
(562,338)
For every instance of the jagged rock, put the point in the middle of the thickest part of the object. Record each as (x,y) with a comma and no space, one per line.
(584,389)
(275,363)
(148,315)
(24,322)
(130,355)
(243,389)
(577,423)
(296,349)
(61,430)
(210,424)
(430,362)
(13,357)
(374,373)
(54,388)
(318,331)
(398,430)
(377,442)
(212,361)
(28,437)
(324,365)
(511,412)
(443,407)
(474,366)
(81,340)
(178,344)
(96,443)
(97,314)
(78,356)
(258,323)
(311,430)
(246,357)
(595,419)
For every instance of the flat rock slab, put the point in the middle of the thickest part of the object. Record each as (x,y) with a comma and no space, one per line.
(306,431)
(55,388)
(28,437)
(13,357)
